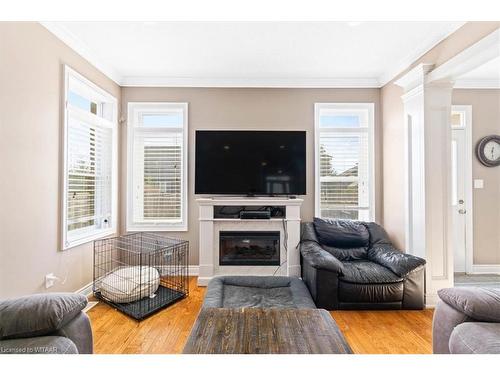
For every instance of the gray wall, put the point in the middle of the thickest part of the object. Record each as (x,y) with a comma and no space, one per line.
(214,108)
(485,121)
(31,85)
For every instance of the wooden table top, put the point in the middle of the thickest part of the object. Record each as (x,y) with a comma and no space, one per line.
(265,331)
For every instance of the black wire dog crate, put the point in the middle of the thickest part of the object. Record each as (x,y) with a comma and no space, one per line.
(140,273)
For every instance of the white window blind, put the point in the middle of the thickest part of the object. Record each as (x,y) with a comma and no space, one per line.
(344,161)
(89,209)
(157,186)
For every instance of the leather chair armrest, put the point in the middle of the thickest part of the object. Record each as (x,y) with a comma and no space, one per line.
(317,257)
(399,263)
(38,314)
(478,303)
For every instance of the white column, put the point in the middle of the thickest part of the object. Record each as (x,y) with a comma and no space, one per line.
(427,111)
(206,241)
(293,232)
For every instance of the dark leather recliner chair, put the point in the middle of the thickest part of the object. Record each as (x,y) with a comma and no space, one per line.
(352,265)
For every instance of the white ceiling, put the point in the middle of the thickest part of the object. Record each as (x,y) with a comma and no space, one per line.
(485,76)
(272,54)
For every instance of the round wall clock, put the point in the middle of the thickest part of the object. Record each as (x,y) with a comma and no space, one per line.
(488,150)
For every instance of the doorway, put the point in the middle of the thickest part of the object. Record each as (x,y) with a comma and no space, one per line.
(461,188)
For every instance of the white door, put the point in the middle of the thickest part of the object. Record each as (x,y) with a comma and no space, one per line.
(458,196)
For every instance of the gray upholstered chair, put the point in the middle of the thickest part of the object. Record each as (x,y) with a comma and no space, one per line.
(467,321)
(45,324)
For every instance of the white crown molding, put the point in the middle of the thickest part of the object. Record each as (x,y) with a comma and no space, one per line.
(82,49)
(477,84)
(417,53)
(270,82)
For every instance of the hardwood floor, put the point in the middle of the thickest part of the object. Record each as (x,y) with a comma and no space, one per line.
(367,332)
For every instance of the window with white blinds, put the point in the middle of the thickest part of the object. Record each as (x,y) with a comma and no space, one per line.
(157,164)
(344,160)
(89,199)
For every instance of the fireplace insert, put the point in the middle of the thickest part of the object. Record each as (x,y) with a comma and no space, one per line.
(249,248)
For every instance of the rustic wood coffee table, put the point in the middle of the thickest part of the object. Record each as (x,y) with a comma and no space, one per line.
(265,331)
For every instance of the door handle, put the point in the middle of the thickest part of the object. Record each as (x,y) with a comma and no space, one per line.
(462,211)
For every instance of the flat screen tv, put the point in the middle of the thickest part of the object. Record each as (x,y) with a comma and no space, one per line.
(260,163)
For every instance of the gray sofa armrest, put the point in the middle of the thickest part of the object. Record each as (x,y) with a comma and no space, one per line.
(444,321)
(399,263)
(38,314)
(317,257)
(38,345)
(79,331)
(478,303)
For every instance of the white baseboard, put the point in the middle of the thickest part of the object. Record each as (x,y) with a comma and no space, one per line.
(194,270)
(431,300)
(485,268)
(90,305)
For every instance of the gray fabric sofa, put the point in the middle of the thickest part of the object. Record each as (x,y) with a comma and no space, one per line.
(51,323)
(257,291)
(350,264)
(467,321)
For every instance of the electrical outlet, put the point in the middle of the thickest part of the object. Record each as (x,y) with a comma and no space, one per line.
(50,280)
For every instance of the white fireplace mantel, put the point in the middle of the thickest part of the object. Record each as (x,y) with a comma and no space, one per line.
(289,228)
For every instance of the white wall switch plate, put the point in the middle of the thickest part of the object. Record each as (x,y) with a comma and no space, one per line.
(478,184)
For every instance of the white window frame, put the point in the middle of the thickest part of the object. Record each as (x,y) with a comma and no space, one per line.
(92,92)
(136,109)
(348,108)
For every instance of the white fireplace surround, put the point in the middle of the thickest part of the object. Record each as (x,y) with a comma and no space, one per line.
(210,228)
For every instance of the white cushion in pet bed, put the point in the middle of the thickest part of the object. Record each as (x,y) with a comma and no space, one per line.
(129,284)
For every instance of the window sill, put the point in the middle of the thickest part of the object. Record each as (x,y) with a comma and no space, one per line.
(67,245)
(157,228)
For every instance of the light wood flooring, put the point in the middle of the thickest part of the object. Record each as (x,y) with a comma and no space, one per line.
(367,332)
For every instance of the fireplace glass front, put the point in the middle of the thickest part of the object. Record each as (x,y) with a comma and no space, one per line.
(249,248)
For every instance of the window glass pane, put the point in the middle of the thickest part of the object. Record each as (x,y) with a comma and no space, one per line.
(162,178)
(344,165)
(340,155)
(456,119)
(88,177)
(339,214)
(81,176)
(90,156)
(157,187)
(339,121)
(162,120)
(347,214)
(339,193)
(81,102)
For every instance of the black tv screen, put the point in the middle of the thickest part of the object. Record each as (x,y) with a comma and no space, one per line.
(250,162)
